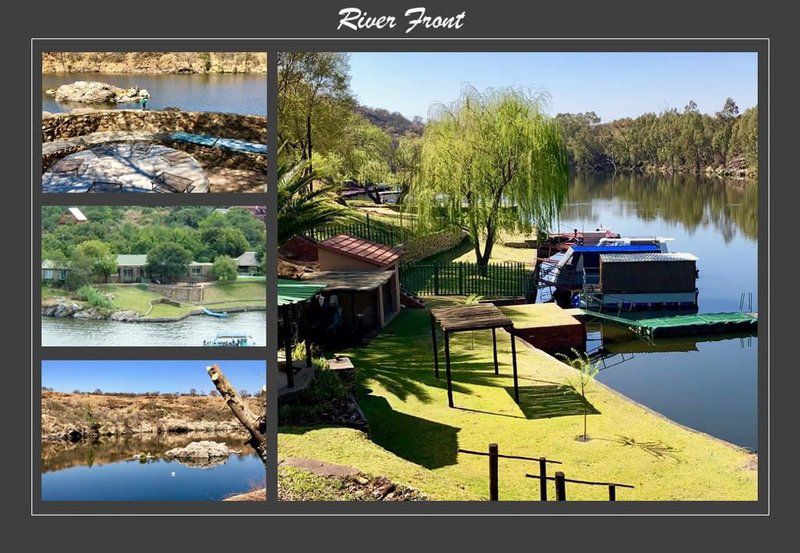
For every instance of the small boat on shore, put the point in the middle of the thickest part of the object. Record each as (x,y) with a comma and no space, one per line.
(230,341)
(218,314)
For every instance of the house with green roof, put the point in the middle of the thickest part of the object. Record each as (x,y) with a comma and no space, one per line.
(133,268)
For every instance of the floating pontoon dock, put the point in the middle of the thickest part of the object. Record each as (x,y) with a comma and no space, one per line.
(681,325)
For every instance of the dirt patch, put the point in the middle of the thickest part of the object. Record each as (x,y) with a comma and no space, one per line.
(299,484)
(320,468)
(255,495)
(224,179)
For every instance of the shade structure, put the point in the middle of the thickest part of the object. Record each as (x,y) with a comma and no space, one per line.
(292,291)
(462,318)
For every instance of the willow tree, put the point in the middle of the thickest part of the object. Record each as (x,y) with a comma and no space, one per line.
(491,162)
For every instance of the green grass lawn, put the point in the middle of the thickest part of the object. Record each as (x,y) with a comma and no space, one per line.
(217,296)
(414,435)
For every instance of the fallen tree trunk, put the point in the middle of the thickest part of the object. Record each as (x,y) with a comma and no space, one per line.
(255,425)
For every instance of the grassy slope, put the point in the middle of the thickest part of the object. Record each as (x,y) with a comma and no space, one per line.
(416,435)
(218,296)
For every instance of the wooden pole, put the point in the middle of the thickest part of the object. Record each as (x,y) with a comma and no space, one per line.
(494,345)
(493,472)
(561,487)
(435,347)
(543,479)
(612,492)
(304,307)
(287,331)
(255,425)
(447,368)
(514,363)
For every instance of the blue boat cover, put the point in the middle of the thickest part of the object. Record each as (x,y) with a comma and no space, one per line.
(643,248)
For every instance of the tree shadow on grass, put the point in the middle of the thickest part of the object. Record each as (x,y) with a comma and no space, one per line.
(660,450)
(423,442)
(556,400)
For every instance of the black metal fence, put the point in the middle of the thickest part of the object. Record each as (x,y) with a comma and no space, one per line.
(366,230)
(463,278)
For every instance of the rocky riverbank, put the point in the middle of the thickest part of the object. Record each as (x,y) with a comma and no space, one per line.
(63,308)
(78,416)
(96,93)
(155,62)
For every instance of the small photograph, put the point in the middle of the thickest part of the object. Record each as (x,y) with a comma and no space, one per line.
(153,430)
(518,276)
(181,122)
(153,276)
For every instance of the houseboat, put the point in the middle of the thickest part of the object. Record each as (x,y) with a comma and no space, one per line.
(642,281)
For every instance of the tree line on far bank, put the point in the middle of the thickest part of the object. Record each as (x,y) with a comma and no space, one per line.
(672,141)
(170,237)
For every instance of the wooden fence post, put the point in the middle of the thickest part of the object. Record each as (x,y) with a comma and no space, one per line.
(561,487)
(612,492)
(543,479)
(460,279)
(436,279)
(493,452)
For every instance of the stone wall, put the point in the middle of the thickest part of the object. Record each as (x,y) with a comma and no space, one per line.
(193,294)
(79,122)
(425,246)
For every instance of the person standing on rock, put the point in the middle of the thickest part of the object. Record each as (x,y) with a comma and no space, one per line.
(144,99)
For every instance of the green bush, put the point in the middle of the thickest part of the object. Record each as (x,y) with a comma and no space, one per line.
(225,269)
(93,297)
(142,286)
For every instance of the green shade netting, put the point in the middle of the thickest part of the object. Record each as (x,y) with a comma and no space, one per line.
(292,291)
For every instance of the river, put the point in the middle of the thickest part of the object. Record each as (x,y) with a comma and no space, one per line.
(103,470)
(226,93)
(709,384)
(191,331)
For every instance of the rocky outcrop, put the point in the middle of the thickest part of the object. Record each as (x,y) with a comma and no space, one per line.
(155,62)
(77,123)
(205,449)
(96,93)
(61,310)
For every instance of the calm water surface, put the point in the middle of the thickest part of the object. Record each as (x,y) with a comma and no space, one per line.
(242,94)
(710,383)
(104,471)
(191,331)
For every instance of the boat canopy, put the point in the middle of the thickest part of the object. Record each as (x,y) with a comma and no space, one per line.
(637,248)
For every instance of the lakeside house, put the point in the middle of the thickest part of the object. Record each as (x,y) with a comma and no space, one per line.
(361,280)
(133,268)
(247,264)
(54,271)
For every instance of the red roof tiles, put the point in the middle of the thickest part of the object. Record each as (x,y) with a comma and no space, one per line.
(364,250)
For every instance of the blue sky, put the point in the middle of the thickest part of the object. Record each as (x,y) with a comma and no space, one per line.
(145,376)
(613,85)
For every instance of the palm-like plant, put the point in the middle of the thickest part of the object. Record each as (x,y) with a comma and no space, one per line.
(587,371)
(305,201)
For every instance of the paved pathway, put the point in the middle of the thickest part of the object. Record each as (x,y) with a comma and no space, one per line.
(126,167)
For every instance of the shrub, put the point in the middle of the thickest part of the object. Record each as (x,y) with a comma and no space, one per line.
(225,269)
(93,297)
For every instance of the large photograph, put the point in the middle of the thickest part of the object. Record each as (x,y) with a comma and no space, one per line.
(518,276)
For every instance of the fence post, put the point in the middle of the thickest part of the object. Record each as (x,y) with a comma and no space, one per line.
(561,487)
(460,278)
(493,451)
(543,479)
(612,492)
(369,229)
(436,279)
